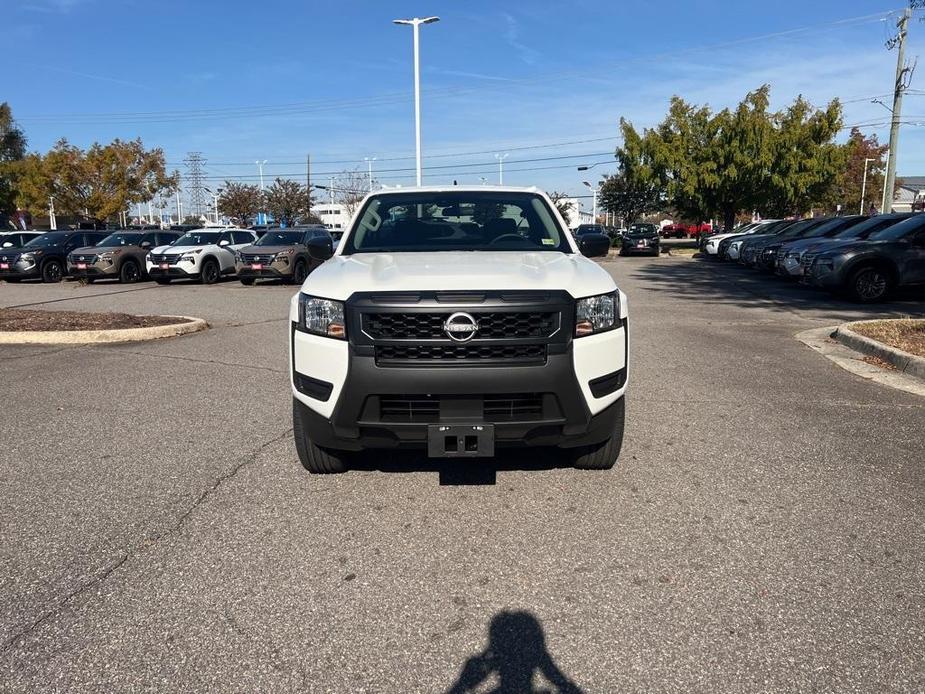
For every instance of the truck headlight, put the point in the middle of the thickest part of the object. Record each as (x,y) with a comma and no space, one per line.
(595,314)
(322,317)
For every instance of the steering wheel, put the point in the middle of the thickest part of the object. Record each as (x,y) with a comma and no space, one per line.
(507,238)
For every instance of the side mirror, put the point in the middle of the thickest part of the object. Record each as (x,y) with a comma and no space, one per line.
(7,244)
(146,244)
(320,248)
(224,242)
(593,245)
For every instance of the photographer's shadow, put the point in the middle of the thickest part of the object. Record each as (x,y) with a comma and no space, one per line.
(515,655)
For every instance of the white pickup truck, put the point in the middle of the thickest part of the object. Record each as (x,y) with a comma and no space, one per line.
(457,321)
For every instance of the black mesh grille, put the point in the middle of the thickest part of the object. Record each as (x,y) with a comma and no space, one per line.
(265,258)
(409,408)
(460,353)
(74,259)
(429,326)
(170,258)
(512,408)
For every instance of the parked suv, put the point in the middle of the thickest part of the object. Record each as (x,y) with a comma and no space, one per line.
(640,238)
(869,270)
(203,254)
(121,256)
(45,256)
(280,254)
(458,321)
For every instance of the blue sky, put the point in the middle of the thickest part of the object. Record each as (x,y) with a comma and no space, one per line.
(542,80)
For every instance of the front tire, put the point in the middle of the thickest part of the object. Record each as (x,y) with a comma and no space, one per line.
(209,272)
(603,456)
(247,281)
(314,458)
(52,272)
(870,284)
(129,272)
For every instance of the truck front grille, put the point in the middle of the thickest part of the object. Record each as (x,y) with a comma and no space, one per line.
(425,409)
(450,353)
(492,325)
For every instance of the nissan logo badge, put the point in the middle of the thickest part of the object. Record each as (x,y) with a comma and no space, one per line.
(461,327)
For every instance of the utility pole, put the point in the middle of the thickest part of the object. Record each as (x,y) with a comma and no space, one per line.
(52,221)
(261,216)
(864,184)
(899,86)
(369,162)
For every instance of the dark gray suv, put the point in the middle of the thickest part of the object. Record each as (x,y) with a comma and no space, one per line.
(281,254)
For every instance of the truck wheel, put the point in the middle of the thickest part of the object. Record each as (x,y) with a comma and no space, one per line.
(247,281)
(209,272)
(52,272)
(870,284)
(129,273)
(602,456)
(314,458)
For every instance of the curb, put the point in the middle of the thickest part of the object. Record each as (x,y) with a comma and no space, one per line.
(84,337)
(903,361)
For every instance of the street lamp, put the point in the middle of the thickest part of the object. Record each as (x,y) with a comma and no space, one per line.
(214,200)
(501,158)
(864,184)
(415,23)
(369,162)
(594,203)
(262,217)
(585,167)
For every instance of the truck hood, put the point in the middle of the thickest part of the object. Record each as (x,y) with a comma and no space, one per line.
(343,275)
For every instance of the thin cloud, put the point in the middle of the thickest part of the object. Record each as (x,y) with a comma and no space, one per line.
(512,36)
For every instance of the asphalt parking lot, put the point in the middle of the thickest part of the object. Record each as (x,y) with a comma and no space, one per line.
(763,530)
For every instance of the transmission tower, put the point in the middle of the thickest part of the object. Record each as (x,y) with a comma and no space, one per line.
(194,177)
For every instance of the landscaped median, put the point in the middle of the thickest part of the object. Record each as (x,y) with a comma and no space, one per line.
(18,326)
(900,342)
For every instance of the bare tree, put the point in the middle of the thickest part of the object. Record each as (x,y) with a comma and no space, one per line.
(350,188)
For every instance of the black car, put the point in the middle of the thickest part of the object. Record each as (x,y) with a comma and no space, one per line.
(45,256)
(582,229)
(868,270)
(772,254)
(281,254)
(641,238)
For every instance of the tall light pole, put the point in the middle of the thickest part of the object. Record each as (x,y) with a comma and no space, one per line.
(864,184)
(415,24)
(594,203)
(369,164)
(214,200)
(501,158)
(263,215)
(52,220)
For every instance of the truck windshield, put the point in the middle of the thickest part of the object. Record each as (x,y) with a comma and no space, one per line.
(466,220)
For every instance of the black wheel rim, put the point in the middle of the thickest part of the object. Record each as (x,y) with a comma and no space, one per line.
(130,272)
(871,285)
(53,272)
(210,273)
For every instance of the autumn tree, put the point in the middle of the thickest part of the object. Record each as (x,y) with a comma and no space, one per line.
(288,202)
(12,151)
(100,182)
(860,152)
(240,201)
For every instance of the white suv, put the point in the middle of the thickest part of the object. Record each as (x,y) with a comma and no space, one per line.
(456,321)
(203,254)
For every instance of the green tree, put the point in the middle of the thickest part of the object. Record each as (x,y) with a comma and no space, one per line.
(288,202)
(100,182)
(240,201)
(12,151)
(737,160)
(562,203)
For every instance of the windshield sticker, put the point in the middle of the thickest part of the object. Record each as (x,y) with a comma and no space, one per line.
(549,242)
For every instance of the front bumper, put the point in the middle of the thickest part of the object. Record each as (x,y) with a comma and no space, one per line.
(274,270)
(20,271)
(634,247)
(354,403)
(171,271)
(94,270)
